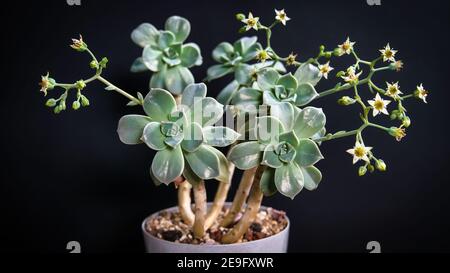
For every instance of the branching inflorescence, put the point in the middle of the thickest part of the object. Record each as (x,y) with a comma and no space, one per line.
(277,142)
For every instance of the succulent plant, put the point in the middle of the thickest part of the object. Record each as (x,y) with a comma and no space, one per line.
(165,54)
(184,137)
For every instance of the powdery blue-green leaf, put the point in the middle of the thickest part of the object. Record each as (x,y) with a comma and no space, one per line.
(165,39)
(289,180)
(130,128)
(154,179)
(168,164)
(158,79)
(177,78)
(145,34)
(308,73)
(243,74)
(138,66)
(267,79)
(171,61)
(189,174)
(290,138)
(153,137)
(268,129)
(219,136)
(305,94)
(222,52)
(251,52)
(270,158)
(288,81)
(270,99)
(193,137)
(312,177)
(204,163)
(308,153)
(190,55)
(174,141)
(224,175)
(178,26)
(218,71)
(152,58)
(226,95)
(284,111)
(247,97)
(309,121)
(243,45)
(192,92)
(278,66)
(158,104)
(246,155)
(206,111)
(267,182)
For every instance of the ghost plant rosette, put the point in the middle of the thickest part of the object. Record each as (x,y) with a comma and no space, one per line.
(275,133)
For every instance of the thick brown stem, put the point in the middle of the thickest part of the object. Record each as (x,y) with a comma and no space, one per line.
(240,197)
(184,203)
(219,199)
(200,209)
(253,206)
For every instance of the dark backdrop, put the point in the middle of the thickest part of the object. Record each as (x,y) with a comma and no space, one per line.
(68,177)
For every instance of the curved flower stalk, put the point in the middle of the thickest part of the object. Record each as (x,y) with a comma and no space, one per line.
(165,54)
(184,138)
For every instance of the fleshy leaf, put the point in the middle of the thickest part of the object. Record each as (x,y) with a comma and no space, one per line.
(267,182)
(251,52)
(243,74)
(179,26)
(222,52)
(288,81)
(270,158)
(305,94)
(145,34)
(219,136)
(218,71)
(284,111)
(131,127)
(168,164)
(289,180)
(153,137)
(308,153)
(247,97)
(193,137)
(307,73)
(158,78)
(246,155)
(204,163)
(224,175)
(226,95)
(270,99)
(158,104)
(268,129)
(312,177)
(192,92)
(267,79)
(152,58)
(290,138)
(243,45)
(165,39)
(190,55)
(138,66)
(206,111)
(309,121)
(189,174)
(177,78)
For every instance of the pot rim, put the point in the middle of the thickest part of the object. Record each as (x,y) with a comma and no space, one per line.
(273,237)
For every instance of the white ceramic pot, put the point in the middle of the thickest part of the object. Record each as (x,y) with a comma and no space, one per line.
(274,244)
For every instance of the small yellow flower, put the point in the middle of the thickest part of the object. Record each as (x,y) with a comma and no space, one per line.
(281,16)
(379,105)
(421,93)
(393,90)
(398,133)
(46,83)
(262,56)
(346,47)
(398,65)
(291,59)
(359,152)
(351,76)
(251,22)
(388,53)
(79,44)
(324,69)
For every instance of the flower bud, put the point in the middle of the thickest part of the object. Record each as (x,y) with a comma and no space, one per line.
(84,101)
(80,85)
(370,168)
(94,64)
(362,171)
(240,16)
(76,105)
(328,54)
(242,30)
(346,100)
(62,105)
(57,110)
(103,62)
(406,122)
(337,52)
(381,166)
(340,74)
(398,133)
(50,103)
(79,44)
(322,48)
(394,114)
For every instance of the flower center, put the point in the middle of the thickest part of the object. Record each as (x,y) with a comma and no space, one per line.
(388,53)
(360,151)
(251,22)
(378,105)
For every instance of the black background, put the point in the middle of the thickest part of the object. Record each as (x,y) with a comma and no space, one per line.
(68,177)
